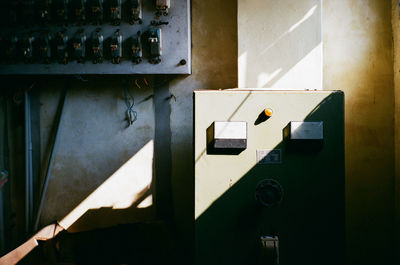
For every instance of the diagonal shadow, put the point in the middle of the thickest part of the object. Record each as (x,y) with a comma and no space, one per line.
(135,226)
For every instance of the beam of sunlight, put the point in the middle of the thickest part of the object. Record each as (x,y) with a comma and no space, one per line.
(147,202)
(281,46)
(242,64)
(122,189)
(246,96)
(295,77)
(265,78)
(306,16)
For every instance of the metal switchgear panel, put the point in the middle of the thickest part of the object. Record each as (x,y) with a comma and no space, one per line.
(95,37)
(280,200)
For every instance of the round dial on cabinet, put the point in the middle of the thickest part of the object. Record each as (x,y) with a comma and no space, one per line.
(269,193)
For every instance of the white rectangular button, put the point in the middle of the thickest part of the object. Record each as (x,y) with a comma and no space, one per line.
(304,130)
(230,130)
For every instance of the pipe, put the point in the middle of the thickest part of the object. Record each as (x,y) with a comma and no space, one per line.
(51,159)
(3,126)
(28,162)
(2,225)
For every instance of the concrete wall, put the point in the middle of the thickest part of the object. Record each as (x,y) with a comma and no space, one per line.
(358,60)
(357,52)
(280,44)
(396,69)
(95,143)
(278,41)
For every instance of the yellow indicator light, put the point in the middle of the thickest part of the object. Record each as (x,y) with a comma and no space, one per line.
(268,112)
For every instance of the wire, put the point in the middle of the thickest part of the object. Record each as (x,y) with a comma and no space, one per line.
(131,114)
(130,102)
(137,84)
(3,178)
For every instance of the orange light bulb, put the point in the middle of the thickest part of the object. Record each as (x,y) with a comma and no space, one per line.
(268,112)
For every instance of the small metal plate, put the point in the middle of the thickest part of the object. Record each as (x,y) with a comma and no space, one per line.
(269,156)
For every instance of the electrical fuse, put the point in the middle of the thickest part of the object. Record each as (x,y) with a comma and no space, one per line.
(116,47)
(155,43)
(60,11)
(115,12)
(61,42)
(2,49)
(79,46)
(136,48)
(97,46)
(10,8)
(44,48)
(135,14)
(9,49)
(27,48)
(95,12)
(43,11)
(26,12)
(162,7)
(78,11)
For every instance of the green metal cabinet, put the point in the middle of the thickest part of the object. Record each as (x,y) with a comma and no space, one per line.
(309,220)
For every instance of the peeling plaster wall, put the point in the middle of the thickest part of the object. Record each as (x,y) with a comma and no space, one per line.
(358,59)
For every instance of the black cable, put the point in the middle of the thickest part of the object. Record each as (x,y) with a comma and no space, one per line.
(130,102)
(131,114)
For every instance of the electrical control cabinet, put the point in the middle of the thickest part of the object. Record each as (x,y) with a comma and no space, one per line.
(95,37)
(279,198)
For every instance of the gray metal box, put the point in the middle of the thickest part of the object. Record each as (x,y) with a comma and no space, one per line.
(292,195)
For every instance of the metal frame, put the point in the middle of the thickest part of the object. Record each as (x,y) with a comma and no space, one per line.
(51,158)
